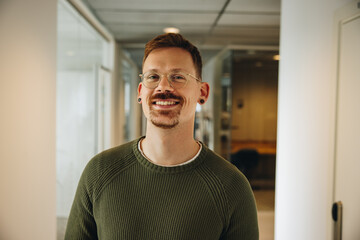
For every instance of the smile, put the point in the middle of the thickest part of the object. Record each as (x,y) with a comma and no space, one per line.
(166,103)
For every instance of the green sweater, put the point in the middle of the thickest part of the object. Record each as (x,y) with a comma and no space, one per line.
(121,195)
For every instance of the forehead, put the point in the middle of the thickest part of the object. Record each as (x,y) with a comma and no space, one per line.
(168,59)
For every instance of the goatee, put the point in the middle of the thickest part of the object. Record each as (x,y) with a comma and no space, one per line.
(172,115)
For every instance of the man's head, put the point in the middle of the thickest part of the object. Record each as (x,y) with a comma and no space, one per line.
(171,85)
(175,40)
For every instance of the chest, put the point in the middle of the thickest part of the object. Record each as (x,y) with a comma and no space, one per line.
(157,207)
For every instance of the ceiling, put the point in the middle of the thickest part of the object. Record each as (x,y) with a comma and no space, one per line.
(211,25)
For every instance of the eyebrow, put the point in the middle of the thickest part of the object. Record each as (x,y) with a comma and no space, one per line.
(171,70)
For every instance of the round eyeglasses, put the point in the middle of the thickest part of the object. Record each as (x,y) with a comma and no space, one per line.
(176,79)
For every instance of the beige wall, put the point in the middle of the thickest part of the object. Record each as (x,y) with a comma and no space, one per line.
(27,122)
(256,88)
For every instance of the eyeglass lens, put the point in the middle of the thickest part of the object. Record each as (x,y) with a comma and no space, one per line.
(176,80)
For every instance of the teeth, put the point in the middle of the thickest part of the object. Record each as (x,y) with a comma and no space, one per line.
(165,103)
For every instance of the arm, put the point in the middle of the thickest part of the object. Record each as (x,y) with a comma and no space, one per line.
(81,223)
(243,222)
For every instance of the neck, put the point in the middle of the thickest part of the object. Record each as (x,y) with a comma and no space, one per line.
(169,146)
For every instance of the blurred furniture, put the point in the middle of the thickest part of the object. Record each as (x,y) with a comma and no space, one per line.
(246,160)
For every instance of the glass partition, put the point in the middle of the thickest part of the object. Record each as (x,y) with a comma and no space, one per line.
(226,105)
(127,78)
(82,104)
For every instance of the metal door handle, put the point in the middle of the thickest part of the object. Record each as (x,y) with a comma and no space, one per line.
(337,209)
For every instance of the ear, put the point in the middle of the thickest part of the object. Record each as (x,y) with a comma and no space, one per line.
(139,90)
(204,91)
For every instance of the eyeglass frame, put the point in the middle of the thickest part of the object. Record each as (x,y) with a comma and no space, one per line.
(167,76)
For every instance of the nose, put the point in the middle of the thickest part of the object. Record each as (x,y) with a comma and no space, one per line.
(164,85)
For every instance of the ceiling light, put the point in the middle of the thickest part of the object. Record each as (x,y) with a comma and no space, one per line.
(276,57)
(171,30)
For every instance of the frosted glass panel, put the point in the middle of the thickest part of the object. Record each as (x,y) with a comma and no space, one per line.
(83,103)
(75,132)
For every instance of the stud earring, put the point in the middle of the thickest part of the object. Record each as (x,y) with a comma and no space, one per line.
(202,101)
(139,100)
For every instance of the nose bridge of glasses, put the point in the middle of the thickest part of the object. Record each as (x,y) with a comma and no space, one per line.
(165,80)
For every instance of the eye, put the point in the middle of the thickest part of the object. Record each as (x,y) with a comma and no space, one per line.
(152,77)
(179,78)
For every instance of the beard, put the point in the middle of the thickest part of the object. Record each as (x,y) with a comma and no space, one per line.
(172,116)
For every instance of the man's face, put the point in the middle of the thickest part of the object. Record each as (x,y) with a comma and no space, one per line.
(165,106)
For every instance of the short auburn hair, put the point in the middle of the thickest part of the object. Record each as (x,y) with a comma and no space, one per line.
(175,40)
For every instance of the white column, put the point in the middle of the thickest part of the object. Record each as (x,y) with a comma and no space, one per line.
(306,120)
(27,122)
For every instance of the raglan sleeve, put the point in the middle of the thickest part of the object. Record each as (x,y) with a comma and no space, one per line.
(81,223)
(243,221)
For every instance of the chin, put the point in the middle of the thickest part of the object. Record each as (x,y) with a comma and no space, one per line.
(165,124)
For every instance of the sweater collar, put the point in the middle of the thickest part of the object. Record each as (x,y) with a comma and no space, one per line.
(168,169)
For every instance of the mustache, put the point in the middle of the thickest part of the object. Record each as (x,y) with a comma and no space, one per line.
(167,95)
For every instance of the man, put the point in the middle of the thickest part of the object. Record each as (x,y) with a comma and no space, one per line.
(165,185)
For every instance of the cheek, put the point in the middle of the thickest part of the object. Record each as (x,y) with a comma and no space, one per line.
(144,95)
(192,95)
(145,109)
(191,101)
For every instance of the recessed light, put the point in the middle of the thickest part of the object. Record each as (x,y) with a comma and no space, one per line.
(171,30)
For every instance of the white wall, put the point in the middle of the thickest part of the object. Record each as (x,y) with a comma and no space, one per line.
(27,122)
(307,85)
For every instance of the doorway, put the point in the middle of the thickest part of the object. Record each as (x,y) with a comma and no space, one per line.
(253,127)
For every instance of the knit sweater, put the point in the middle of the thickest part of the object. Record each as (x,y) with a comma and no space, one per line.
(121,195)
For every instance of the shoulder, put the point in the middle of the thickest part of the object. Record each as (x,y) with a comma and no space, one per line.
(233,181)
(106,165)
(232,194)
(114,156)
(223,168)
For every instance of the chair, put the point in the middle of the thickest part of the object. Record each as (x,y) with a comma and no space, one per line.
(246,160)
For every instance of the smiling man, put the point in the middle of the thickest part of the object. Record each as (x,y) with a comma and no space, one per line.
(165,185)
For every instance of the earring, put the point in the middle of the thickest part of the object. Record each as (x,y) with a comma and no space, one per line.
(202,101)
(139,100)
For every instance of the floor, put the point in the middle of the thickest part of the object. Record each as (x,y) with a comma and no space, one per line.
(264,182)
(265,203)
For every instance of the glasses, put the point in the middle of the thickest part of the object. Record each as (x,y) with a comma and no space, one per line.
(176,79)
